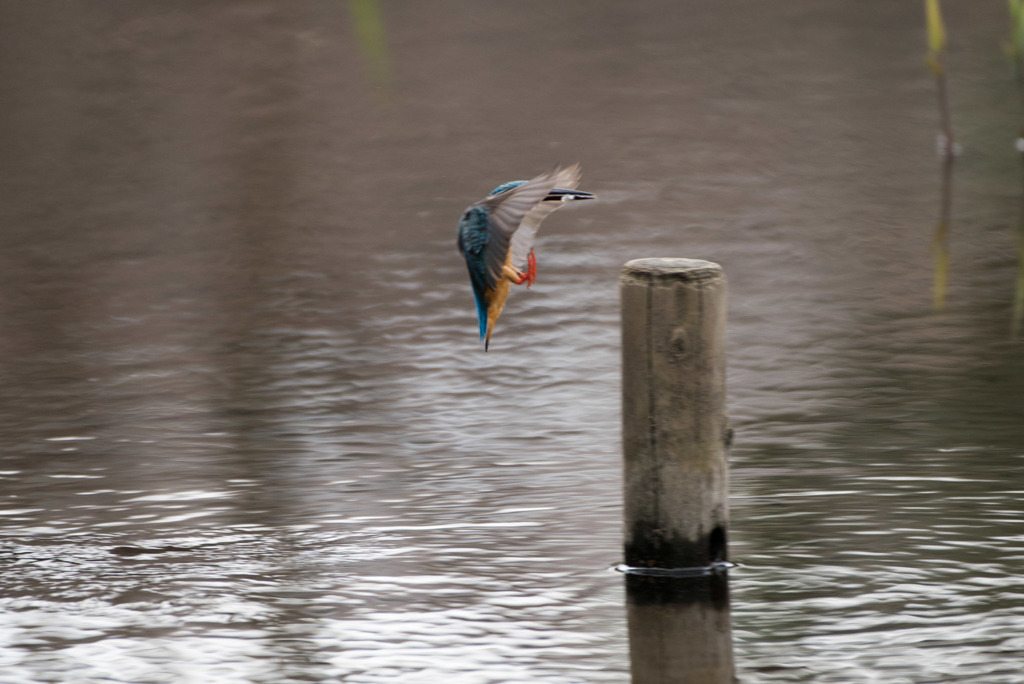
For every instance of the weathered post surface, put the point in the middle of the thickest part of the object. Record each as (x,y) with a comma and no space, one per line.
(674,426)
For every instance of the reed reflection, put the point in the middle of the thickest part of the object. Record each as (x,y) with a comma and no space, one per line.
(1016,52)
(369,28)
(947,148)
(1018,293)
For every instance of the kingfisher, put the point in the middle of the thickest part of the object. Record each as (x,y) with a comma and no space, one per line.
(496,237)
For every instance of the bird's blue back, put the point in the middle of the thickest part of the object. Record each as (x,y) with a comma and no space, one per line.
(473,239)
(506,186)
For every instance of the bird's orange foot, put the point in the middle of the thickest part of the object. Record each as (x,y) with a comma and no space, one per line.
(530,277)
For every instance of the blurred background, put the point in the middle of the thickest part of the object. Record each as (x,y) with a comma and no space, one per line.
(248,432)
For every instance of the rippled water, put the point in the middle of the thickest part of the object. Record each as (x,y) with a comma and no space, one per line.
(247,433)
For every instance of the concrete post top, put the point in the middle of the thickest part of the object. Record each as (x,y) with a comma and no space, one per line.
(671,269)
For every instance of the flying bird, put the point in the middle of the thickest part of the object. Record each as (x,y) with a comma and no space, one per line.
(496,237)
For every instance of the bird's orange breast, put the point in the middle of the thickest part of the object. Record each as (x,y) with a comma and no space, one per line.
(496,298)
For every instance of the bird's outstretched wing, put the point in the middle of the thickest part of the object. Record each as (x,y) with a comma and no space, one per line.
(516,211)
(522,240)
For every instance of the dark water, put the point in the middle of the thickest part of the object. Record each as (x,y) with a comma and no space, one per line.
(247,433)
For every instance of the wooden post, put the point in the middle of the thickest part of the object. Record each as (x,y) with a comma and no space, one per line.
(674,427)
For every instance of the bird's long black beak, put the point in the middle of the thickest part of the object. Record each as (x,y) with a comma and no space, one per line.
(563,195)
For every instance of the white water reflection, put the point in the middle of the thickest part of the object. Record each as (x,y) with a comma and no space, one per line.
(312,607)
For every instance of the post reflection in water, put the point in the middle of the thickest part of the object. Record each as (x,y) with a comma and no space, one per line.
(679,629)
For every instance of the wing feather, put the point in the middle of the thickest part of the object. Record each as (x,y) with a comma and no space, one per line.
(520,210)
(522,240)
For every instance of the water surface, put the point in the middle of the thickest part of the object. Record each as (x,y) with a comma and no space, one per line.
(247,433)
